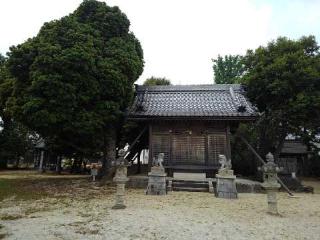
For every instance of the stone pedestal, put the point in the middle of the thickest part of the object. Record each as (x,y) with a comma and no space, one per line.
(272,190)
(226,184)
(120,179)
(94,173)
(157,181)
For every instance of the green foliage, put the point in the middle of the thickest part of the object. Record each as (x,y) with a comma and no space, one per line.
(75,78)
(228,69)
(243,160)
(315,164)
(283,81)
(5,85)
(14,141)
(154,81)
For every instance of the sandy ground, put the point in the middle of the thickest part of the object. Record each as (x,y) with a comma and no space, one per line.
(84,212)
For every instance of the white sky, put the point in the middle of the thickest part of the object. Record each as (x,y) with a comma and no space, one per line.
(179,37)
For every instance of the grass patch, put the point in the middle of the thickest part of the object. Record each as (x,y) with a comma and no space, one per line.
(8,217)
(36,187)
(20,189)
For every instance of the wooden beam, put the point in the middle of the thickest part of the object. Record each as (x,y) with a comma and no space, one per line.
(135,141)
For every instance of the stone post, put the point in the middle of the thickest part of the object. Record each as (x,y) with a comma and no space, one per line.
(120,179)
(93,171)
(270,183)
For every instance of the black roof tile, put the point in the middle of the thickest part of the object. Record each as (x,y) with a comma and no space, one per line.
(183,101)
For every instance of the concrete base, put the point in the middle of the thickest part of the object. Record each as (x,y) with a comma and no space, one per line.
(156,182)
(226,187)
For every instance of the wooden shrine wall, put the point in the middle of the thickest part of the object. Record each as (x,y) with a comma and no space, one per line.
(189,143)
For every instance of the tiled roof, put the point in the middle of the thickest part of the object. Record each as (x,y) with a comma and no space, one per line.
(185,101)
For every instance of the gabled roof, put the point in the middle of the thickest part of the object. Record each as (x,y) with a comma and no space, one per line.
(216,101)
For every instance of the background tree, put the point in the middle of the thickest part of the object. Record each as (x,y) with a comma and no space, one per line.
(283,81)
(3,118)
(228,69)
(153,81)
(15,139)
(75,78)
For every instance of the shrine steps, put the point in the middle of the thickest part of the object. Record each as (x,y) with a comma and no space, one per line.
(190,185)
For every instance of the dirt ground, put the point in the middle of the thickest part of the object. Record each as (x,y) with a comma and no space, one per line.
(72,207)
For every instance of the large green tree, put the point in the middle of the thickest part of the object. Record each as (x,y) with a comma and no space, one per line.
(228,69)
(283,81)
(73,81)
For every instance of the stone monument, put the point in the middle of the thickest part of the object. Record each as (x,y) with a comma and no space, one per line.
(120,179)
(226,180)
(93,171)
(270,183)
(157,177)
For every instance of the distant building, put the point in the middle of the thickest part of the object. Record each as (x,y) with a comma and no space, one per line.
(295,157)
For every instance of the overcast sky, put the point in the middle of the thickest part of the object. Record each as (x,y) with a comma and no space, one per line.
(179,37)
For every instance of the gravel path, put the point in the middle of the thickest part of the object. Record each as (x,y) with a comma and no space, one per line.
(179,215)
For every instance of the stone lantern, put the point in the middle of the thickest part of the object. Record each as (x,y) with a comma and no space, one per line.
(270,183)
(120,179)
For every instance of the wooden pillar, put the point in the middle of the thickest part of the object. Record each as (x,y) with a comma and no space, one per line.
(170,170)
(209,173)
(206,148)
(228,153)
(150,148)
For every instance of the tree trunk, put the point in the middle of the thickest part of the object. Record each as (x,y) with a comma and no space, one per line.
(109,153)
(3,163)
(279,147)
(41,162)
(58,165)
(17,162)
(76,165)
